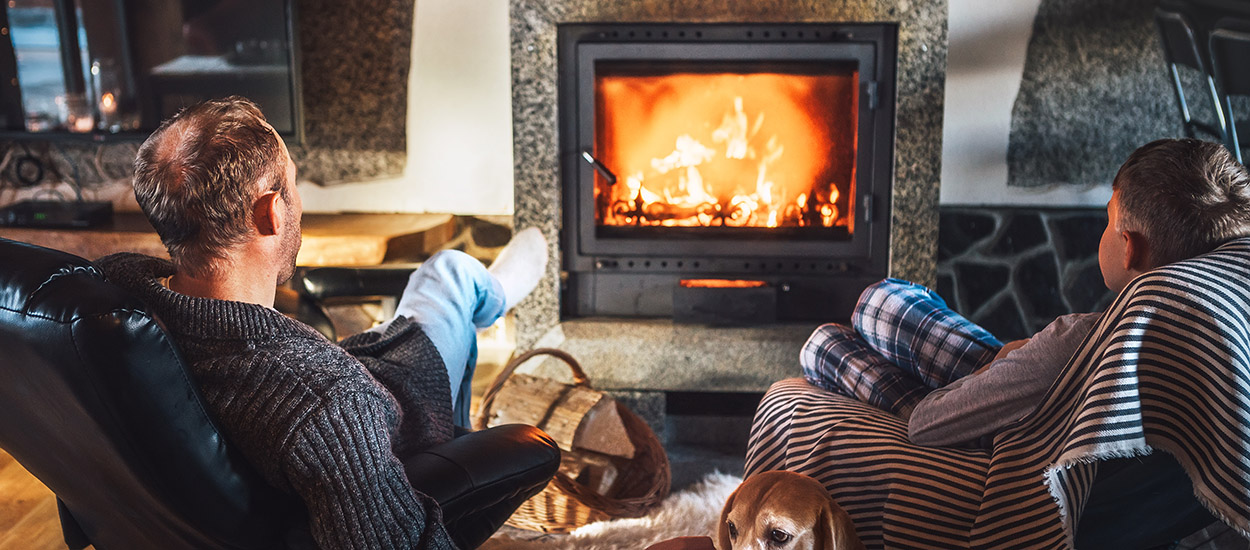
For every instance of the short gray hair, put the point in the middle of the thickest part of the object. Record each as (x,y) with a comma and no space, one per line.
(1185,195)
(197,176)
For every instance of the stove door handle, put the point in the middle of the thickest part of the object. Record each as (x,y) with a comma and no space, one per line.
(599,167)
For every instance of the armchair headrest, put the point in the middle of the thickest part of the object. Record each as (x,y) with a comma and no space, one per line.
(99,405)
(38,281)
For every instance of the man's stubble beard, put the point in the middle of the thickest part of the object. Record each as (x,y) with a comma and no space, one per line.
(291,242)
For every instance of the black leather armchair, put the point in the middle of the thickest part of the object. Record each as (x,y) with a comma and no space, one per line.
(314,287)
(97,403)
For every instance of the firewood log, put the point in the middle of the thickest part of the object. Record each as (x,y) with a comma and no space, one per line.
(576,417)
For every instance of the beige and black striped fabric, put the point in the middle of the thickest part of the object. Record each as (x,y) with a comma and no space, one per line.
(1167,369)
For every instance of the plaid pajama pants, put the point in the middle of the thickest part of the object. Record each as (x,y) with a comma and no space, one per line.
(903,342)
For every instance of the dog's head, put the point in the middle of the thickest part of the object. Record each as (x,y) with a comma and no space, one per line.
(784,511)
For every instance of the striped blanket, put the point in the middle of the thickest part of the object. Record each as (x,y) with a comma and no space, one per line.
(1167,369)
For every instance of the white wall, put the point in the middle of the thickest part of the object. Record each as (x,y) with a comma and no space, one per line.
(460,115)
(459,120)
(988,42)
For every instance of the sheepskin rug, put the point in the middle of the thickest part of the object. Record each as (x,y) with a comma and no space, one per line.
(691,512)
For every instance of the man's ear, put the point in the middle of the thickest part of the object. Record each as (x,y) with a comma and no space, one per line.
(267,214)
(1136,252)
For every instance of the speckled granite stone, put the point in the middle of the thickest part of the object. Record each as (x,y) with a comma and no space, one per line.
(918,143)
(1094,89)
(354,66)
(659,355)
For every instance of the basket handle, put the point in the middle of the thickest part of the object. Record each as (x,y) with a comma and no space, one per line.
(488,399)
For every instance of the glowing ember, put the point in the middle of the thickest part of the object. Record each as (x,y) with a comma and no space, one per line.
(736,150)
(722,283)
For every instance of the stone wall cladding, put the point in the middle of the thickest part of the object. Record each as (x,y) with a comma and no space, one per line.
(1094,89)
(1013,270)
(354,67)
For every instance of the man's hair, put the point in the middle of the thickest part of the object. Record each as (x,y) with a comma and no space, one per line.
(197,176)
(1186,196)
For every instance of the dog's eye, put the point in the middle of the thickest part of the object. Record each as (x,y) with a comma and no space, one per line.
(780,537)
(733,530)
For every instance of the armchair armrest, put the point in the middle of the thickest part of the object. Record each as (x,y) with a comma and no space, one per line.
(321,283)
(480,478)
(314,285)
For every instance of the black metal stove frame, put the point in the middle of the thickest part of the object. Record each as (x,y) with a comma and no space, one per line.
(635,276)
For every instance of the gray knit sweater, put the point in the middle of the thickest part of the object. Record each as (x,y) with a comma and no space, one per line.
(325,422)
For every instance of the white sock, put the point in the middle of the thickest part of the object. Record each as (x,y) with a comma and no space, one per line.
(520,265)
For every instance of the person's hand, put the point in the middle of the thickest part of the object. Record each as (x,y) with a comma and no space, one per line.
(1007,348)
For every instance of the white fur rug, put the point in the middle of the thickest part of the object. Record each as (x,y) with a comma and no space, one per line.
(692,512)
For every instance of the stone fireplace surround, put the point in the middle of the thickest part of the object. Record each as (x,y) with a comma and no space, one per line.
(648,357)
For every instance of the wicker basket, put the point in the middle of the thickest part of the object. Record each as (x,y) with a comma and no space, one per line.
(566,504)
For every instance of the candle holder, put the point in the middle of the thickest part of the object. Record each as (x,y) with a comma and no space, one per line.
(106,77)
(78,114)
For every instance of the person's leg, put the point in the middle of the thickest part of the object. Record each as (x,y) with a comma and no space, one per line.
(837,359)
(912,327)
(452,295)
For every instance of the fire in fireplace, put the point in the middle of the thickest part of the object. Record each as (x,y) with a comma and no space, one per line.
(723,148)
(725,151)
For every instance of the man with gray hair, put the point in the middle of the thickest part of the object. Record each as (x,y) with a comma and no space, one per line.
(329,423)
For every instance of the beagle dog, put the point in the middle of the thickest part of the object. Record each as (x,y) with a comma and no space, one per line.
(784,511)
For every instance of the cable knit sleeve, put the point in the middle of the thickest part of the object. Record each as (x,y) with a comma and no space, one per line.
(340,462)
(405,361)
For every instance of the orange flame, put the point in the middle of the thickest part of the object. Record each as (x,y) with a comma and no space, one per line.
(726,149)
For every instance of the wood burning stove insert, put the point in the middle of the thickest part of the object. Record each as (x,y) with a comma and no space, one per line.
(725,173)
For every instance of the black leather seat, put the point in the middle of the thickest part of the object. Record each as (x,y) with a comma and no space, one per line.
(314,287)
(98,404)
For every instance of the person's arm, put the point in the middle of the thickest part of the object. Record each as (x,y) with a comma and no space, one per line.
(1002,352)
(409,366)
(1007,389)
(341,464)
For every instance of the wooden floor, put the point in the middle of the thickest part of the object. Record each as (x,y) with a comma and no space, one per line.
(28,518)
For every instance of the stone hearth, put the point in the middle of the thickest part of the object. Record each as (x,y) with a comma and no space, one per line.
(659,355)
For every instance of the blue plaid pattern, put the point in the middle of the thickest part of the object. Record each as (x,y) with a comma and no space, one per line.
(903,342)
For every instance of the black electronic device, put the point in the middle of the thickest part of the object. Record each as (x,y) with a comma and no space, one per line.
(56,214)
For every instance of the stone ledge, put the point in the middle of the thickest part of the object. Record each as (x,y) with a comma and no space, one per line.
(659,355)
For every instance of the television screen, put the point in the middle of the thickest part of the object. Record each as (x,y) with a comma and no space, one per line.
(120,67)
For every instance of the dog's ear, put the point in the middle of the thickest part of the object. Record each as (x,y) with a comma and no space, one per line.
(835,530)
(723,542)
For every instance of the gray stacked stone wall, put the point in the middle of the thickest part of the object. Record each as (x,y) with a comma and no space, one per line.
(1013,270)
